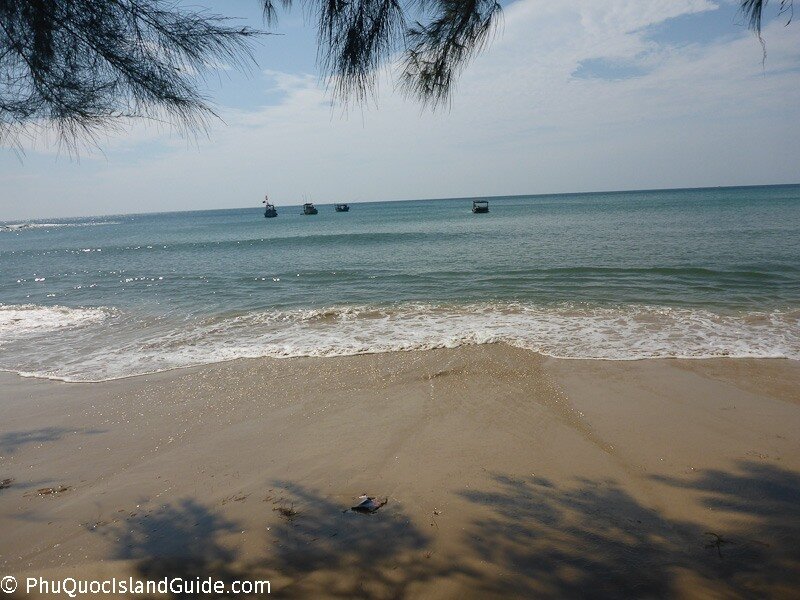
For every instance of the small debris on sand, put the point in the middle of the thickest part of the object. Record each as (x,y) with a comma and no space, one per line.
(51,491)
(368,504)
(286,511)
(234,498)
(436,513)
(716,541)
(5,483)
(94,526)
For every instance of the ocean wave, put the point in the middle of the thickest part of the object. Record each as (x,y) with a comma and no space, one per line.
(133,347)
(34,225)
(23,321)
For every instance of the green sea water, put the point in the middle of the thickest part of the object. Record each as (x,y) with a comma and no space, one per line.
(706,272)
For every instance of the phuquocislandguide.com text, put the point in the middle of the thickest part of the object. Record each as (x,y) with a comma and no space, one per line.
(73,587)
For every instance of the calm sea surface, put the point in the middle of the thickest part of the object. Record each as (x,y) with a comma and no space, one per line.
(713,272)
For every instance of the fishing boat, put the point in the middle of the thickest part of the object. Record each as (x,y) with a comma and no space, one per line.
(341,207)
(269,209)
(480,206)
(309,209)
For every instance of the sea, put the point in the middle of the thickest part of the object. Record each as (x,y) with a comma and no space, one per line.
(691,273)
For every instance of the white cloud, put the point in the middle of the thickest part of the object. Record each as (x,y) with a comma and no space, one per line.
(520,123)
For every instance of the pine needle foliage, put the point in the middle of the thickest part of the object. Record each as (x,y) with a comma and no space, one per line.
(79,65)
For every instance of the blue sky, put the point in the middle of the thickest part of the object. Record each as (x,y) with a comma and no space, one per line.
(585,95)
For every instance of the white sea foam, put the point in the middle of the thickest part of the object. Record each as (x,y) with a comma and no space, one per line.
(566,331)
(23,321)
(24,226)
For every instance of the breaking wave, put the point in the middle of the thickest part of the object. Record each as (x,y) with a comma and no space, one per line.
(91,344)
(23,321)
(34,225)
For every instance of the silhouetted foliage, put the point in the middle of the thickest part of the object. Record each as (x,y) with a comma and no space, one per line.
(438,50)
(754,11)
(79,64)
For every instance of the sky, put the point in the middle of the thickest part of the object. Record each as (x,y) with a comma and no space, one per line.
(586,95)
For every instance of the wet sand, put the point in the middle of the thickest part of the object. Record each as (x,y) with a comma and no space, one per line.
(507,474)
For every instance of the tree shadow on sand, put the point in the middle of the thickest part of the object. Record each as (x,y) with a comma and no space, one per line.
(595,539)
(313,548)
(180,540)
(325,550)
(528,538)
(12,441)
(761,544)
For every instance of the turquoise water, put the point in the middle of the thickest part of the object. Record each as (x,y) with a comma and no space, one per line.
(712,272)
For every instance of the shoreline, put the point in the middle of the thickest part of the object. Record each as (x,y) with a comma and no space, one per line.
(82,344)
(507,473)
(61,379)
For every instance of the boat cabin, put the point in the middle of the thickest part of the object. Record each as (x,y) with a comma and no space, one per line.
(480,206)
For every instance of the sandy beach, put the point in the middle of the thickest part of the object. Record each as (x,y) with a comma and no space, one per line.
(394,301)
(507,474)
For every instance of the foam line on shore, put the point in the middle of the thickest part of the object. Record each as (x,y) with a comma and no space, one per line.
(101,343)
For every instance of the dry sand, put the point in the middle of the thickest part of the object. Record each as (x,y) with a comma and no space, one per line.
(507,474)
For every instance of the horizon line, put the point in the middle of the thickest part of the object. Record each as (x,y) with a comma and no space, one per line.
(440,199)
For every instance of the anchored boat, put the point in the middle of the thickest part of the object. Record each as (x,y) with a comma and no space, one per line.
(269,209)
(309,209)
(480,206)
(341,207)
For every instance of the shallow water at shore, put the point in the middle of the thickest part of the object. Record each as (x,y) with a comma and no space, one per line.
(92,344)
(682,273)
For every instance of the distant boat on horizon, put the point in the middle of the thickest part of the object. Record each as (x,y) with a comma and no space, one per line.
(480,206)
(341,207)
(269,209)
(309,209)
